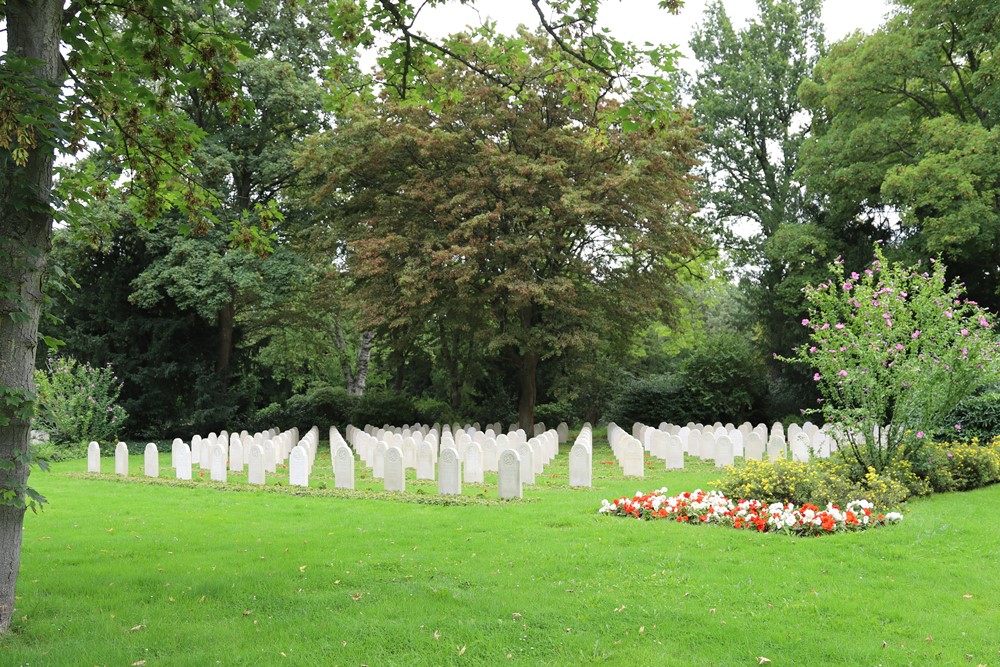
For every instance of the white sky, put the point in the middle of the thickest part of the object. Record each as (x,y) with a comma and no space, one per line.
(641,21)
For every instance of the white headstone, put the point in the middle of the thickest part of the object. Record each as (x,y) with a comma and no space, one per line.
(298,467)
(236,456)
(723,451)
(343,467)
(151,461)
(270,456)
(449,473)
(581,464)
(527,456)
(675,453)
(173,452)
(490,455)
(800,446)
(694,442)
(395,473)
(378,460)
(632,458)
(183,462)
(425,461)
(754,447)
(218,463)
(121,459)
(708,446)
(509,475)
(474,464)
(775,447)
(563,431)
(255,464)
(196,449)
(94,457)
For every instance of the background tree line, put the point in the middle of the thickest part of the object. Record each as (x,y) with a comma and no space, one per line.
(488,242)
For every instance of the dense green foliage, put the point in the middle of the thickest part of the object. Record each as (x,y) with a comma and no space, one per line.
(895,349)
(78,403)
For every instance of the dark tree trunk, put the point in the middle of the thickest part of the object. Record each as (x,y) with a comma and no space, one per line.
(226,326)
(359,378)
(33,28)
(526,371)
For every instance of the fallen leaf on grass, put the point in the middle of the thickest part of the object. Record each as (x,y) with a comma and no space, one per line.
(929,639)
(642,629)
(138,627)
(302,568)
(516,615)
(247,612)
(761,660)
(884,644)
(621,608)
(437,635)
(356,597)
(967,596)
(138,663)
(461,651)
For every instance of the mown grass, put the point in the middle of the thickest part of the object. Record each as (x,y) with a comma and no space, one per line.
(116,573)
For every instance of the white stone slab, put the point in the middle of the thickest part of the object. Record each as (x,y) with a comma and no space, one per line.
(581,466)
(395,472)
(236,456)
(218,471)
(509,475)
(255,464)
(527,456)
(298,466)
(121,459)
(151,461)
(473,464)
(675,453)
(183,462)
(723,451)
(633,464)
(94,457)
(343,467)
(449,472)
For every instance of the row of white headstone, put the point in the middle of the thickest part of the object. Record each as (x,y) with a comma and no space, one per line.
(474,451)
(221,455)
(717,443)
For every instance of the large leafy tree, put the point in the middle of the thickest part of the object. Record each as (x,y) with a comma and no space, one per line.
(127,62)
(906,123)
(506,214)
(746,99)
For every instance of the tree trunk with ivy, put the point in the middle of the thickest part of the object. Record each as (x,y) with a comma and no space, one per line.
(25,225)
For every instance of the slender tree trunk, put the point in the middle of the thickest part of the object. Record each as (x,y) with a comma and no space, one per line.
(33,28)
(526,371)
(362,359)
(226,325)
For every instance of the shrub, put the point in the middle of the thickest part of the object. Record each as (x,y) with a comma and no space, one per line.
(650,400)
(78,403)
(818,483)
(961,466)
(553,413)
(895,350)
(435,411)
(979,416)
(384,407)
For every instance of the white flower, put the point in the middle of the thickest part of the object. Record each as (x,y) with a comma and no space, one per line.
(893,517)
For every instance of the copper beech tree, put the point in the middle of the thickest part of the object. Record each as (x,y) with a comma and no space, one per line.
(510,210)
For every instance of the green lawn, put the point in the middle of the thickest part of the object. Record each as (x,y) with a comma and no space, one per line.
(116,573)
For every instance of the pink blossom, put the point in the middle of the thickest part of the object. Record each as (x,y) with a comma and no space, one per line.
(964,332)
(805,322)
(838,326)
(984,323)
(920,434)
(848,287)
(899,346)
(816,377)
(958,427)
(915,334)
(812,349)
(843,373)
(947,314)
(825,326)
(854,275)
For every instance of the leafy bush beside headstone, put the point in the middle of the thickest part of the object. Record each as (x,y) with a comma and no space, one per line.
(78,403)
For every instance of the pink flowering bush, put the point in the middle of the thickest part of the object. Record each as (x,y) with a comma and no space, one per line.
(78,403)
(894,350)
(712,507)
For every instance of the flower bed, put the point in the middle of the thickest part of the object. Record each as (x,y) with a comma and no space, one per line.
(712,507)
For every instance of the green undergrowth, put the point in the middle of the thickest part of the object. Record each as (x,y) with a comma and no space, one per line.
(120,573)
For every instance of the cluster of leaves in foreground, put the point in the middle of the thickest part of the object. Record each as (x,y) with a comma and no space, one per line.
(713,507)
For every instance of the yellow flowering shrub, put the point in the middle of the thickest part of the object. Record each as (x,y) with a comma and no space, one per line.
(960,466)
